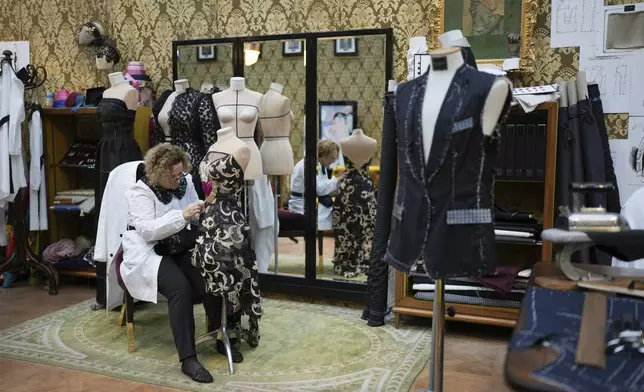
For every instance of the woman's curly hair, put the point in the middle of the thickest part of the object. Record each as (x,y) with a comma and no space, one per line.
(327,148)
(160,159)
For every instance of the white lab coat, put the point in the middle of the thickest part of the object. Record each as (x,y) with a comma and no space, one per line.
(112,223)
(262,222)
(633,212)
(12,104)
(324,186)
(153,221)
(37,184)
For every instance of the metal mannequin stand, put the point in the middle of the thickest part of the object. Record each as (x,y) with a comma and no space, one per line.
(438,338)
(275,198)
(212,336)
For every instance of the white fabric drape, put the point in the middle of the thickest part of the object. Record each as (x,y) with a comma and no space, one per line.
(37,184)
(262,221)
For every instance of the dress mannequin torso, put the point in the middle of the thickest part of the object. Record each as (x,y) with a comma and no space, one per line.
(275,121)
(439,81)
(358,147)
(180,86)
(121,89)
(238,108)
(229,143)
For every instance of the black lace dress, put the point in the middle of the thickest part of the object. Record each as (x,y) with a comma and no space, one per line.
(354,217)
(117,145)
(223,251)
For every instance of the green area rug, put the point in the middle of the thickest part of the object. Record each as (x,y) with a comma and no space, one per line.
(303,347)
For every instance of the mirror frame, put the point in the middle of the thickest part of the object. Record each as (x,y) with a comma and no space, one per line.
(308,285)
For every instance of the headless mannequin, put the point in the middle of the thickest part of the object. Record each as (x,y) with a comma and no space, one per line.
(103,65)
(180,87)
(227,142)
(238,108)
(122,90)
(440,81)
(276,119)
(358,147)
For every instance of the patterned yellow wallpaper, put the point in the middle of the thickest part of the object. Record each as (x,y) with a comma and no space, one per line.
(145,29)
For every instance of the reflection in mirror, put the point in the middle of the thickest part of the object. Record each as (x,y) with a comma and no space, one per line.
(277,70)
(351,82)
(205,66)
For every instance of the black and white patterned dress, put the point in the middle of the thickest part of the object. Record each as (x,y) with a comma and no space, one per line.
(223,251)
(354,216)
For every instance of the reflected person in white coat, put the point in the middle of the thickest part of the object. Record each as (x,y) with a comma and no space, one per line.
(161,206)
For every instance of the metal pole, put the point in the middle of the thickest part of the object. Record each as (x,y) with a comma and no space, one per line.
(275,197)
(438,338)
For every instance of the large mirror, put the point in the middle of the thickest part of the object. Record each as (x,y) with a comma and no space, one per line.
(205,66)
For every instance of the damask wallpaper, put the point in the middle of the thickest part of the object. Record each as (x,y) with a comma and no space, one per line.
(144,30)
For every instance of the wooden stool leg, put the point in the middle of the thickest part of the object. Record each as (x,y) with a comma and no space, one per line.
(396,320)
(121,321)
(129,314)
(320,253)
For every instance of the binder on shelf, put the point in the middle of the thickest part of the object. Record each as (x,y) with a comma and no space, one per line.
(500,158)
(519,152)
(531,151)
(541,152)
(510,150)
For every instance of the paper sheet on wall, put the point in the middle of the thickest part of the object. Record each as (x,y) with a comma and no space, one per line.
(637,90)
(613,74)
(574,22)
(625,153)
(20,50)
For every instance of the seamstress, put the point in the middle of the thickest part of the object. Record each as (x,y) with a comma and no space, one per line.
(157,249)
(328,152)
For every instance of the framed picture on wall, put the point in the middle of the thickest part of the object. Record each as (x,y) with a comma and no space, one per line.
(346,47)
(292,48)
(337,121)
(207,53)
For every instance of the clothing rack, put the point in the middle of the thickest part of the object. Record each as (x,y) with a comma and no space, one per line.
(22,254)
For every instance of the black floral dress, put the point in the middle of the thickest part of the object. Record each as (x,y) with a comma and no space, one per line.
(223,251)
(354,216)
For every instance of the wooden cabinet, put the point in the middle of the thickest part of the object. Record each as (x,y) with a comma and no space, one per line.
(537,196)
(61,129)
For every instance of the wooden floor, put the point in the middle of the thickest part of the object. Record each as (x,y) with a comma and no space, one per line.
(474,355)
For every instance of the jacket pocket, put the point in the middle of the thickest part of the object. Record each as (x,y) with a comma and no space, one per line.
(463,125)
(470,216)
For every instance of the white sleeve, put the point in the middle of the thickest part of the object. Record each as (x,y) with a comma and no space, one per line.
(100,247)
(191,192)
(142,216)
(326,187)
(16,115)
(35,148)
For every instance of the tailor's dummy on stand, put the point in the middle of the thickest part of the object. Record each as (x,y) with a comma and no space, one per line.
(449,118)
(455,38)
(116,111)
(354,207)
(238,108)
(276,119)
(180,87)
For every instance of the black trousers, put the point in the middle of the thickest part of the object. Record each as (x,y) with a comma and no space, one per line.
(183,286)
(101,283)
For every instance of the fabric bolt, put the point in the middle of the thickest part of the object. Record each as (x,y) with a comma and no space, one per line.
(377,275)
(576,156)
(553,317)
(592,148)
(565,144)
(443,208)
(117,145)
(502,279)
(224,252)
(354,215)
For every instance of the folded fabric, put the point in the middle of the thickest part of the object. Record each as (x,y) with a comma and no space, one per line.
(502,279)
(58,250)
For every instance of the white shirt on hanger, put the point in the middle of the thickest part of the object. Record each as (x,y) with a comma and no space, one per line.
(37,184)
(324,186)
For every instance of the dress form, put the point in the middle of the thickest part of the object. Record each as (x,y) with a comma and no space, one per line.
(238,108)
(121,89)
(275,120)
(440,81)
(180,86)
(358,147)
(228,143)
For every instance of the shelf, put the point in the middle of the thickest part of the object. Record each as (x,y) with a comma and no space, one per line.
(487,315)
(517,241)
(69,112)
(84,167)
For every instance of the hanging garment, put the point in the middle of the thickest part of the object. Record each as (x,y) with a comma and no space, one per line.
(12,114)
(354,217)
(37,183)
(112,223)
(443,208)
(377,275)
(117,145)
(262,221)
(592,151)
(224,246)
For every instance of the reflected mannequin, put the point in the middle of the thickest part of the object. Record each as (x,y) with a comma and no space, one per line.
(276,118)
(238,108)
(354,207)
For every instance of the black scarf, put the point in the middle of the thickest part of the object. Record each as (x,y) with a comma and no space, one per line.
(165,195)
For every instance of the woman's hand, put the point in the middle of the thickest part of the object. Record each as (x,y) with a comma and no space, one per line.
(193,209)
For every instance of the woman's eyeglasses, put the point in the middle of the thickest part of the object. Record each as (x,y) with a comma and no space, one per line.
(177,177)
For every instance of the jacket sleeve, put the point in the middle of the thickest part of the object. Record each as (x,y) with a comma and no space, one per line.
(387,180)
(142,216)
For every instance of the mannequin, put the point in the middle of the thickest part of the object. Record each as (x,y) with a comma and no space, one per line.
(180,86)
(455,38)
(359,148)
(103,64)
(223,251)
(238,108)
(354,207)
(121,89)
(275,121)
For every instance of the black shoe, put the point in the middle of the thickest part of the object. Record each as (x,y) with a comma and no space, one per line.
(237,356)
(193,369)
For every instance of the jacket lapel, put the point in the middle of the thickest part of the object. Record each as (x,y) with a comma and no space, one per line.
(413,129)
